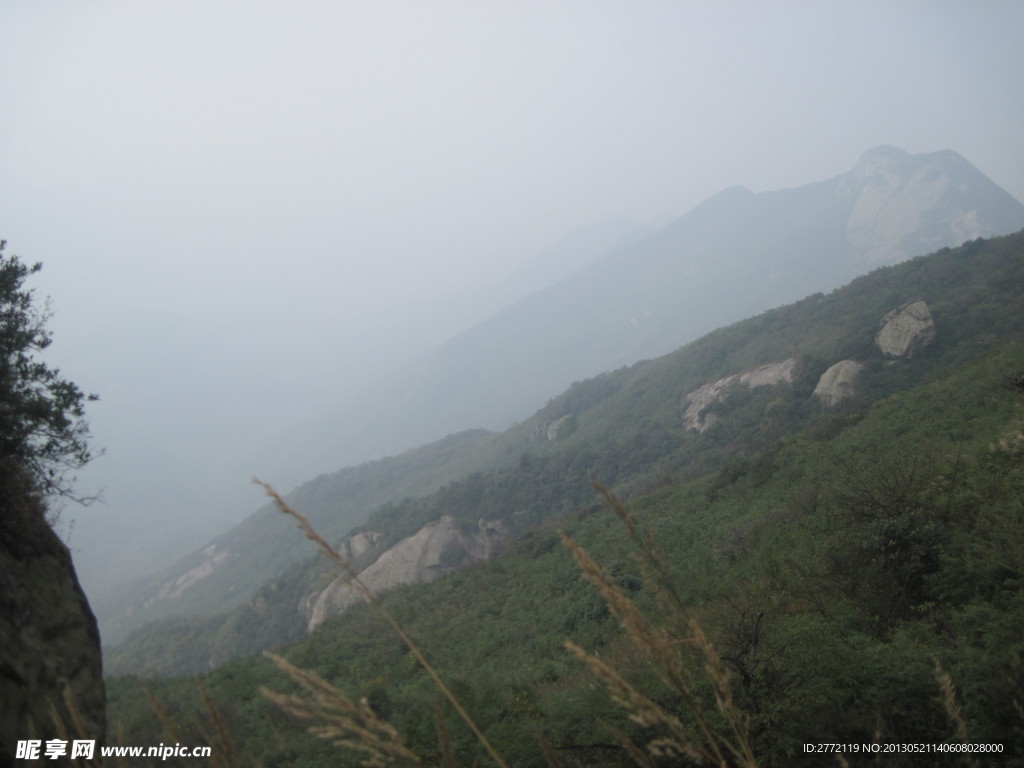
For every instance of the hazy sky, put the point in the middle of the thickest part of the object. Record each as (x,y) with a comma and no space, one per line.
(249,210)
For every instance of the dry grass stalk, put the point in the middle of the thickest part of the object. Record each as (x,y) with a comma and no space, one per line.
(222,746)
(643,710)
(635,752)
(655,563)
(652,640)
(80,730)
(444,740)
(345,723)
(76,715)
(549,753)
(224,753)
(306,527)
(170,727)
(58,721)
(700,741)
(956,717)
(120,740)
(739,745)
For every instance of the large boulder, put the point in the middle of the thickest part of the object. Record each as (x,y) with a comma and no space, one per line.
(696,403)
(838,382)
(434,550)
(905,330)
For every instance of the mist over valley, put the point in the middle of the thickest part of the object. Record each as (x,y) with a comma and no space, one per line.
(653,371)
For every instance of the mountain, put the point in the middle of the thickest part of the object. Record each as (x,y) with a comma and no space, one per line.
(734,255)
(731,394)
(820,544)
(569,255)
(234,564)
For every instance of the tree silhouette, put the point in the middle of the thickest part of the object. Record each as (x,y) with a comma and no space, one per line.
(43,431)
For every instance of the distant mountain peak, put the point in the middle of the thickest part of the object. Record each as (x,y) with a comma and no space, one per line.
(904,204)
(879,163)
(735,192)
(885,152)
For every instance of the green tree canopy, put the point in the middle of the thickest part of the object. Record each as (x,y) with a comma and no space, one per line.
(43,431)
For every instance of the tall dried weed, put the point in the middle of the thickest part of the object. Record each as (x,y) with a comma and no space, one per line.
(689,733)
(306,527)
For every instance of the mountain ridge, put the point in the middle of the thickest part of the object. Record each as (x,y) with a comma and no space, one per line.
(631,427)
(665,289)
(629,304)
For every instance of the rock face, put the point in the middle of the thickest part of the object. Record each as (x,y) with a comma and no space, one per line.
(434,550)
(838,382)
(49,643)
(213,557)
(553,427)
(731,257)
(907,204)
(698,401)
(905,330)
(359,544)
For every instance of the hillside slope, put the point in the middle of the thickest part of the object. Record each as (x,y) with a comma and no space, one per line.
(632,428)
(736,254)
(235,564)
(842,559)
(732,256)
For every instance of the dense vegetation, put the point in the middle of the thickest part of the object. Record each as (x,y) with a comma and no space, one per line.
(624,427)
(857,569)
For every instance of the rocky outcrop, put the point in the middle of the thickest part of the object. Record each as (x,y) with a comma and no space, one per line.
(554,427)
(358,544)
(434,550)
(905,330)
(49,643)
(213,557)
(697,402)
(838,382)
(904,205)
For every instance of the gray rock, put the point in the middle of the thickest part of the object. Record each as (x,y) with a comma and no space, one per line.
(698,401)
(906,204)
(554,426)
(49,643)
(434,550)
(838,382)
(905,330)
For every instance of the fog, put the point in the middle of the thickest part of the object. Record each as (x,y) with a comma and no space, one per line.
(248,212)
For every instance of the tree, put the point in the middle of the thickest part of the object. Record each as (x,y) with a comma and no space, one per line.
(43,432)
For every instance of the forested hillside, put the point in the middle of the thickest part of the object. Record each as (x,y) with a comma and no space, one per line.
(626,428)
(734,255)
(237,562)
(845,573)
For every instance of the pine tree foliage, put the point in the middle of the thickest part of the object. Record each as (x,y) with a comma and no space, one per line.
(43,430)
